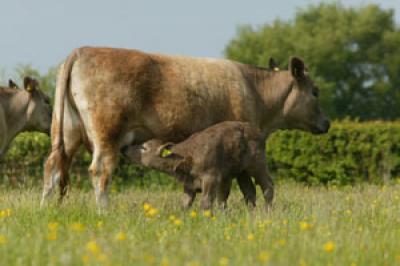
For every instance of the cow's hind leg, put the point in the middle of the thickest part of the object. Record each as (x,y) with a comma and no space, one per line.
(58,163)
(101,169)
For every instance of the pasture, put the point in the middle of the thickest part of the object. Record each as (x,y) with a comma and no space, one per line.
(318,225)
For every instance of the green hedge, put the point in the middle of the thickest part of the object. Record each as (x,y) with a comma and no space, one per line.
(351,152)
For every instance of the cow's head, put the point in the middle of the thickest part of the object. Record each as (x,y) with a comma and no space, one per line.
(39,109)
(301,109)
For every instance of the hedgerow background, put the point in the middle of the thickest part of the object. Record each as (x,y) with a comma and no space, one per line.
(351,152)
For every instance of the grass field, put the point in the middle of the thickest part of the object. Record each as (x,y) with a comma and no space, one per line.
(308,226)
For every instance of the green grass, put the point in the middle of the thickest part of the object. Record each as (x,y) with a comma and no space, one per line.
(361,225)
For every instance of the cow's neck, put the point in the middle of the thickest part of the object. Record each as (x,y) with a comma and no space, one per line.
(273,87)
(15,108)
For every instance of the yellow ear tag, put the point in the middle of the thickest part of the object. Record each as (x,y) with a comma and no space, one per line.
(165,153)
(29,88)
(276,69)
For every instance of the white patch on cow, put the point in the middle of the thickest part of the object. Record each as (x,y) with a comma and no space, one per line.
(49,187)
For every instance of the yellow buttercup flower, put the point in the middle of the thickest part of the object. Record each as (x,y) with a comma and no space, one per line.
(3,240)
(121,236)
(223,261)
(93,247)
(304,226)
(207,213)
(146,206)
(193,214)
(250,237)
(178,222)
(152,212)
(77,227)
(329,246)
(52,226)
(263,256)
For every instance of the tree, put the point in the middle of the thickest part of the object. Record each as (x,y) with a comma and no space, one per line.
(353,54)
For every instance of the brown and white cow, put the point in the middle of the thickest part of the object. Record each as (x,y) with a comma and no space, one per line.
(108,98)
(22,110)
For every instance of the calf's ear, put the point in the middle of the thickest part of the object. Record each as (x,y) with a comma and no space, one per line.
(30,84)
(296,67)
(165,150)
(12,84)
(273,66)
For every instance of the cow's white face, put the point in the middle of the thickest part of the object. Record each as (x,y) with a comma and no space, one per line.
(301,109)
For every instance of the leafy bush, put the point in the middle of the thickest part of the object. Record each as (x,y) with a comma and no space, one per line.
(351,152)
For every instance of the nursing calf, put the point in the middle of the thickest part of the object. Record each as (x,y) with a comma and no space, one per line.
(208,160)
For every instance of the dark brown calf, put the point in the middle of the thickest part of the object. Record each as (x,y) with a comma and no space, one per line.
(209,159)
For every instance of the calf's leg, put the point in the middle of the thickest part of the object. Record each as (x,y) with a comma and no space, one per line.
(188,197)
(223,192)
(248,189)
(209,188)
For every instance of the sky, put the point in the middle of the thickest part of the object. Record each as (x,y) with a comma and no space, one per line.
(43,32)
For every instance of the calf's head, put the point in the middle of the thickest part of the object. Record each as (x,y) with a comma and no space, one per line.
(301,109)
(158,155)
(39,109)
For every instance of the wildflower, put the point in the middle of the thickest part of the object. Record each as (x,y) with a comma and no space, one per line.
(223,261)
(172,218)
(92,247)
(146,207)
(85,259)
(3,240)
(121,236)
(281,242)
(52,235)
(304,226)
(52,226)
(263,256)
(329,246)
(193,214)
(250,237)
(152,212)
(207,213)
(5,213)
(77,227)
(178,222)
(100,224)
(164,262)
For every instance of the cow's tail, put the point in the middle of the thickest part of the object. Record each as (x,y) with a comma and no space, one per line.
(63,86)
(55,170)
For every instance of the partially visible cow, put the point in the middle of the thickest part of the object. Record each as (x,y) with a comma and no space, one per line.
(108,98)
(22,110)
(208,160)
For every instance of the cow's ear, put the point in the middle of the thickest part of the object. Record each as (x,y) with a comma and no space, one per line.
(30,84)
(296,67)
(272,65)
(12,84)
